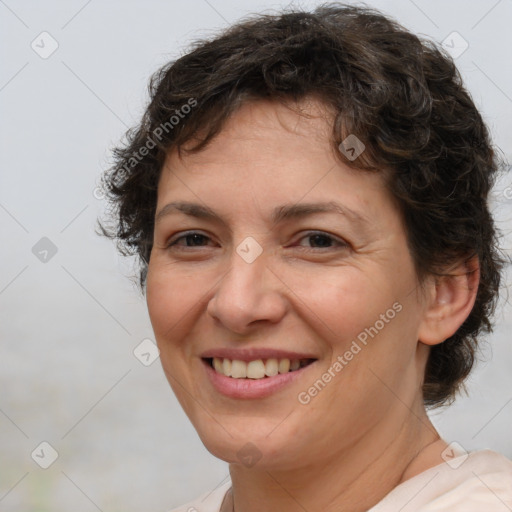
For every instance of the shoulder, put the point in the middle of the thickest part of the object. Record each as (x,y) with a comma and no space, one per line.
(471,482)
(208,502)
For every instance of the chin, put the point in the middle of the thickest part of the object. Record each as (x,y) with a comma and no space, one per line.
(250,446)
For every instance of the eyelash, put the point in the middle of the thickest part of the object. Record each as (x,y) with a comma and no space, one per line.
(340,243)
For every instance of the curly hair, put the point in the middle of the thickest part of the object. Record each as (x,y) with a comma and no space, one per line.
(399,94)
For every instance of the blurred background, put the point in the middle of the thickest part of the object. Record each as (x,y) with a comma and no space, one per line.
(87,419)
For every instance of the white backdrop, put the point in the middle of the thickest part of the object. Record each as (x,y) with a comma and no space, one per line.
(70,318)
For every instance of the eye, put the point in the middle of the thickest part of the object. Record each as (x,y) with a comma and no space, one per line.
(318,238)
(192,239)
(323,240)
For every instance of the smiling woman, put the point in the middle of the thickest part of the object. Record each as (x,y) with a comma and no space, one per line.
(318,259)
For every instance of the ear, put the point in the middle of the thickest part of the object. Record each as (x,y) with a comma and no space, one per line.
(450,299)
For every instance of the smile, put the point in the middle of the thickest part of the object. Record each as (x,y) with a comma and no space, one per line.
(256,369)
(255,374)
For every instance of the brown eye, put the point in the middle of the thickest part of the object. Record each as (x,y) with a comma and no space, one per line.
(323,241)
(192,239)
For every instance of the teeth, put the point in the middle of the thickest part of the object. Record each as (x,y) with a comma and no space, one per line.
(271,367)
(217,364)
(238,369)
(294,365)
(256,369)
(226,367)
(284,366)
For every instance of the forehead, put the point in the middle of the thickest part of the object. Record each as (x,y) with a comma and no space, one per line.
(268,123)
(270,154)
(266,129)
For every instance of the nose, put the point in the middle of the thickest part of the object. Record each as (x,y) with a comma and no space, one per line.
(248,296)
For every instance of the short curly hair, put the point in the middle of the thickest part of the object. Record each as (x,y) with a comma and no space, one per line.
(401,95)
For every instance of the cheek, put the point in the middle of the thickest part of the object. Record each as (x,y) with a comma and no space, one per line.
(343,301)
(172,303)
(171,297)
(373,310)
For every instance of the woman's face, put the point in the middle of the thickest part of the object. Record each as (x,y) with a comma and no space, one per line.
(250,274)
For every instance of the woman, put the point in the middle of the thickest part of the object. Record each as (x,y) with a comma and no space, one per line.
(307,194)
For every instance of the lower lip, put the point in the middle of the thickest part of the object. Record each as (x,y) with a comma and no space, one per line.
(252,388)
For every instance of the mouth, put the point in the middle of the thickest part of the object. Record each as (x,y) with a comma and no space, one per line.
(256,369)
(256,372)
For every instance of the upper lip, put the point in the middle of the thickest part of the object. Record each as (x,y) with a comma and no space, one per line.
(251,354)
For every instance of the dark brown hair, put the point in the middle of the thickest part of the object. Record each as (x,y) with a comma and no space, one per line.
(400,95)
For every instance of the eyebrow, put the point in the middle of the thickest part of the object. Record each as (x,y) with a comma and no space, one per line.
(279,214)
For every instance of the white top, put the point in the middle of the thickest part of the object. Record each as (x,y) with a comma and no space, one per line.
(478,482)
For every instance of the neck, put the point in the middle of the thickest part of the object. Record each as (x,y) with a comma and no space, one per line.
(352,478)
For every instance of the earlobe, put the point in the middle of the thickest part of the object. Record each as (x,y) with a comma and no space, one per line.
(451,299)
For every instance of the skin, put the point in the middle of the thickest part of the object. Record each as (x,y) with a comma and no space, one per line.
(367,430)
